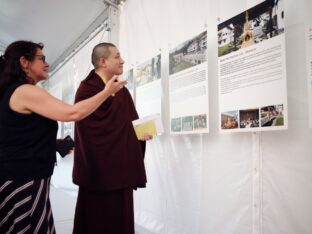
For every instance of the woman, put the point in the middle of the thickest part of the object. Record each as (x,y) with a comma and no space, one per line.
(28,137)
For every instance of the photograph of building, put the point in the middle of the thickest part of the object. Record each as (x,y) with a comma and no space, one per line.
(262,22)
(272,116)
(148,71)
(188,54)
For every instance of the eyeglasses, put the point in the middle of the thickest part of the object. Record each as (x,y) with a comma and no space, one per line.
(41,57)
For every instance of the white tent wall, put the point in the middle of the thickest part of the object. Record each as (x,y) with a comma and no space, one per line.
(222,183)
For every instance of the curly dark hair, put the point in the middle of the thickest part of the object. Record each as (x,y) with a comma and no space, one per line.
(10,68)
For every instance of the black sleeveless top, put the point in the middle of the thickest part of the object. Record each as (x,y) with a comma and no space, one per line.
(27,142)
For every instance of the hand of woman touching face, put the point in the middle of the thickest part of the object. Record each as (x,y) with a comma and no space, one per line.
(113,85)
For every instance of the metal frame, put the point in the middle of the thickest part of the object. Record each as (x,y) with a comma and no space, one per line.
(105,20)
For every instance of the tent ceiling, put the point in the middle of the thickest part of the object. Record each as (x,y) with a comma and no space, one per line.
(56,23)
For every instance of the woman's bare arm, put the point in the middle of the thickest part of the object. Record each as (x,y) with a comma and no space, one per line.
(29,98)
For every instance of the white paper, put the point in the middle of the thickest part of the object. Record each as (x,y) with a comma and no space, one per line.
(148,86)
(252,70)
(188,86)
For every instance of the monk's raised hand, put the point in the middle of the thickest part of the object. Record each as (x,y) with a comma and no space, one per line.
(114,85)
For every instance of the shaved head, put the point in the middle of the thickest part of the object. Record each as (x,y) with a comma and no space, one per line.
(100,51)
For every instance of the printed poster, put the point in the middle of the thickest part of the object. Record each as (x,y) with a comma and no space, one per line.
(148,86)
(252,70)
(188,86)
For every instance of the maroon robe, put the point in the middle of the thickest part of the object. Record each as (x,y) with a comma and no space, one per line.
(108,155)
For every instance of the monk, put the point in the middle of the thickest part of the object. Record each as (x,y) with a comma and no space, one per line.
(109,159)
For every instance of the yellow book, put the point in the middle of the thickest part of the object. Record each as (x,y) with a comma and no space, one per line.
(150,124)
(148,127)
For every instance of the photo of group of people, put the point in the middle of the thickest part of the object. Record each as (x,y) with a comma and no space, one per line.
(249,118)
(267,116)
(188,54)
(189,123)
(148,71)
(262,22)
(200,122)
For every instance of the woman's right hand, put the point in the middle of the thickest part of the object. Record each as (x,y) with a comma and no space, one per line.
(113,85)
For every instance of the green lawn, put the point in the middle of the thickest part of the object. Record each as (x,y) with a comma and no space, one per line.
(181,66)
(279,122)
(223,50)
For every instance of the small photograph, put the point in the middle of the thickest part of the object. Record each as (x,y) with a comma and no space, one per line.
(148,71)
(187,123)
(249,118)
(188,54)
(262,22)
(229,120)
(128,76)
(176,125)
(272,116)
(200,122)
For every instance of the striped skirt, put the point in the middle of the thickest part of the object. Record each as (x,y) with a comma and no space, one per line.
(25,207)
